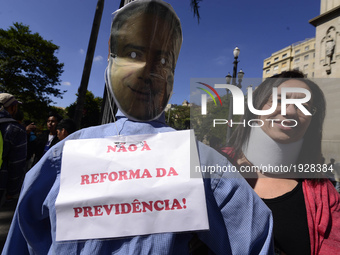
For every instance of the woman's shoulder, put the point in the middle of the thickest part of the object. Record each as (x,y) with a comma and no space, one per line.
(322,189)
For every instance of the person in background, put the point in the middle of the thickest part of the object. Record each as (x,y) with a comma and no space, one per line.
(65,127)
(31,138)
(30,130)
(146,38)
(331,163)
(305,205)
(47,138)
(331,174)
(14,149)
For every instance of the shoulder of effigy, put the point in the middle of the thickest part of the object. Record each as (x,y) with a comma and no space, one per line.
(99,131)
(211,159)
(158,128)
(131,127)
(210,155)
(124,126)
(47,168)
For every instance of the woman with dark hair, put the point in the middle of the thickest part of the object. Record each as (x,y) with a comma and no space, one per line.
(65,127)
(277,153)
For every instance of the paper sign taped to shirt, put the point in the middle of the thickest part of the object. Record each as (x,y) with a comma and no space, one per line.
(129,185)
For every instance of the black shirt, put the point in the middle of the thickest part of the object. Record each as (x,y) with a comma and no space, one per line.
(291,234)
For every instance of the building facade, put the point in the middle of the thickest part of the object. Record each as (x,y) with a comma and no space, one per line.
(298,56)
(327,72)
(319,59)
(327,38)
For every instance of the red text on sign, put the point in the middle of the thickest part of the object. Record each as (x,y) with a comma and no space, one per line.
(125,175)
(126,208)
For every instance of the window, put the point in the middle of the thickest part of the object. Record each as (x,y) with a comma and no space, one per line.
(305,67)
(284,64)
(307,48)
(296,69)
(267,71)
(276,59)
(276,67)
(306,57)
(297,52)
(297,60)
(284,55)
(268,63)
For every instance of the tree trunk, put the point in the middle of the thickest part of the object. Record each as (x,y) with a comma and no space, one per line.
(88,63)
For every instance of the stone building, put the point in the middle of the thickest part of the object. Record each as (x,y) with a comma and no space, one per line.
(327,37)
(327,72)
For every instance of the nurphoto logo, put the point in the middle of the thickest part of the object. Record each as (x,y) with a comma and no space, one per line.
(204,97)
(238,100)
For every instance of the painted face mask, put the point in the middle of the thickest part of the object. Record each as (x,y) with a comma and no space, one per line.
(145,42)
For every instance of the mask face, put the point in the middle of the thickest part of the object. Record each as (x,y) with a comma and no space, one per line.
(141,67)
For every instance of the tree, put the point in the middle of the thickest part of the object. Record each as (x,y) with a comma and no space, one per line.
(91,110)
(82,90)
(178,117)
(195,6)
(203,124)
(29,68)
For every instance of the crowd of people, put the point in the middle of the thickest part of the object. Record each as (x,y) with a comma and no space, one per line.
(22,146)
(263,212)
(13,149)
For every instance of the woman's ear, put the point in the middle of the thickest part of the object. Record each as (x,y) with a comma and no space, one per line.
(65,132)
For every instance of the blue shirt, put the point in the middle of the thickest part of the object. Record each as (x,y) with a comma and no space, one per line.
(240,223)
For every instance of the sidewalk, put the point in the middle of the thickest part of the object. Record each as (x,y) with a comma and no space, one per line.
(6,214)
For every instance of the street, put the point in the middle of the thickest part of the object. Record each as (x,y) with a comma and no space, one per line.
(6,214)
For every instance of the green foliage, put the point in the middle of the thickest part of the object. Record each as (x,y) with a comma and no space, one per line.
(40,121)
(29,68)
(203,124)
(91,110)
(178,117)
(185,117)
(195,8)
(61,111)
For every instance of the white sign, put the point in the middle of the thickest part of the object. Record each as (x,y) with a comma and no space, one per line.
(129,185)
